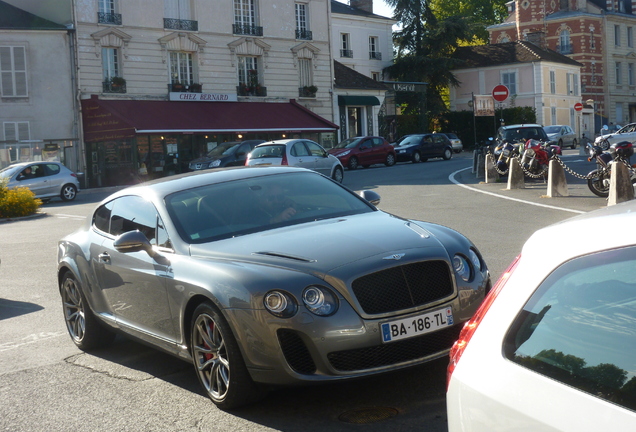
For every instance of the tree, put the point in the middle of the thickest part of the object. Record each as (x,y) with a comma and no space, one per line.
(424,48)
(486,12)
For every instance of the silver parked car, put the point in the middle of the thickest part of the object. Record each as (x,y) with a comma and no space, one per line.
(609,137)
(45,179)
(302,153)
(561,135)
(274,275)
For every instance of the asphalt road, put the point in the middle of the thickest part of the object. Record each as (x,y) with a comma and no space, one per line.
(46,384)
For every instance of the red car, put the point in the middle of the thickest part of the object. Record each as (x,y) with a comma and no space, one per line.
(364,151)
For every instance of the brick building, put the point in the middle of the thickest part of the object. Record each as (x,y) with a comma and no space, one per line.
(599,34)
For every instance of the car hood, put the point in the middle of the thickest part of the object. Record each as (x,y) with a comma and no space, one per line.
(336,152)
(553,135)
(406,146)
(206,159)
(322,246)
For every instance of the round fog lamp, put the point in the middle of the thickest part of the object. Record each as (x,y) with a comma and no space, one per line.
(280,304)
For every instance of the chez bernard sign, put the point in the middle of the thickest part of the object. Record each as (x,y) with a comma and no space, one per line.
(203,97)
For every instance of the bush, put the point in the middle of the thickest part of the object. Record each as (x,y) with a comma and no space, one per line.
(17,202)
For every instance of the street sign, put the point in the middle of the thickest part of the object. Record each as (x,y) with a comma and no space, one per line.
(500,93)
(578,106)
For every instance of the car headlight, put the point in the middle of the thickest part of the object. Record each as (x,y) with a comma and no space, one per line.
(320,301)
(344,153)
(461,267)
(474,258)
(280,304)
(214,164)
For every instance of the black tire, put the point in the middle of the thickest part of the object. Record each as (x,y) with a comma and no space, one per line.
(68,192)
(85,330)
(218,362)
(605,145)
(353,163)
(338,174)
(598,184)
(574,144)
(448,153)
(416,157)
(390,160)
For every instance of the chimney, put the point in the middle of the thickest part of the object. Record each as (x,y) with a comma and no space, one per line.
(365,5)
(538,38)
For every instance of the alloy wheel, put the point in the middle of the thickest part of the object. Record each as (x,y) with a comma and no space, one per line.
(73,310)
(211,358)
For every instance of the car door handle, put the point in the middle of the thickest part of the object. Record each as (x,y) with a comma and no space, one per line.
(104,257)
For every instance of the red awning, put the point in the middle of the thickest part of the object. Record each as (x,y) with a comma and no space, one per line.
(119,119)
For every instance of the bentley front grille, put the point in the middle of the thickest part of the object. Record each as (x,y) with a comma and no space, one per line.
(403,287)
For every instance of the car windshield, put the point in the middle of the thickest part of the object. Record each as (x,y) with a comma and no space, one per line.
(552,129)
(10,170)
(524,134)
(223,149)
(408,140)
(348,143)
(268,151)
(230,209)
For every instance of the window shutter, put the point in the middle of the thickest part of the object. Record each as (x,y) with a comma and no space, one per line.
(10,132)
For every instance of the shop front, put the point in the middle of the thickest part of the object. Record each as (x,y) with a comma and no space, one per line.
(130,141)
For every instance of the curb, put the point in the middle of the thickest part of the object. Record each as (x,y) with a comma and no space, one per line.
(35,215)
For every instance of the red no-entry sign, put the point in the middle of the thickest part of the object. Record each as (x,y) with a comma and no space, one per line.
(500,93)
(578,106)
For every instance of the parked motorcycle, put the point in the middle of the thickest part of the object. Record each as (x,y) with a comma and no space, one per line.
(505,151)
(599,179)
(536,156)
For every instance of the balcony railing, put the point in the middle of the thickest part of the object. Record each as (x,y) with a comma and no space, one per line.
(251,91)
(374,55)
(346,53)
(247,29)
(108,18)
(180,24)
(109,87)
(303,34)
(190,88)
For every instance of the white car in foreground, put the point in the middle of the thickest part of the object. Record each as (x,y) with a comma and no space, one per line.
(553,346)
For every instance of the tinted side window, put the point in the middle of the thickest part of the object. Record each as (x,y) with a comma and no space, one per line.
(299,149)
(51,169)
(579,327)
(315,149)
(132,213)
(101,218)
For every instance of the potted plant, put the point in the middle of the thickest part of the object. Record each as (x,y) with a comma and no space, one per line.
(178,86)
(117,83)
(309,91)
(196,88)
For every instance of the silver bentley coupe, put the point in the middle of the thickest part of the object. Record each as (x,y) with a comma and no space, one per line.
(265,277)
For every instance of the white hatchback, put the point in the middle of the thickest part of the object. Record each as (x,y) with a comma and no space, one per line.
(553,346)
(297,152)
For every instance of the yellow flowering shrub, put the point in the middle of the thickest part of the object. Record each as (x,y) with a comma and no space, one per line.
(17,202)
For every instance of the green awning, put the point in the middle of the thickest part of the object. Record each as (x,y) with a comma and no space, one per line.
(358,100)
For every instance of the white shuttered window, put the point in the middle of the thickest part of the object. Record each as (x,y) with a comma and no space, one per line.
(13,80)
(16,131)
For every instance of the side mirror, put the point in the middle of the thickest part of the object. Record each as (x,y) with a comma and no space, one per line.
(370,196)
(133,241)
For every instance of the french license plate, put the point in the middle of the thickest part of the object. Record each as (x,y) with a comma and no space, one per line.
(417,325)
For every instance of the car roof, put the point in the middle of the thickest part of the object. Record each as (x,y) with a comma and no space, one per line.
(167,185)
(282,142)
(571,237)
(517,126)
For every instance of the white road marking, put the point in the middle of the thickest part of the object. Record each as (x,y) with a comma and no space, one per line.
(452,179)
